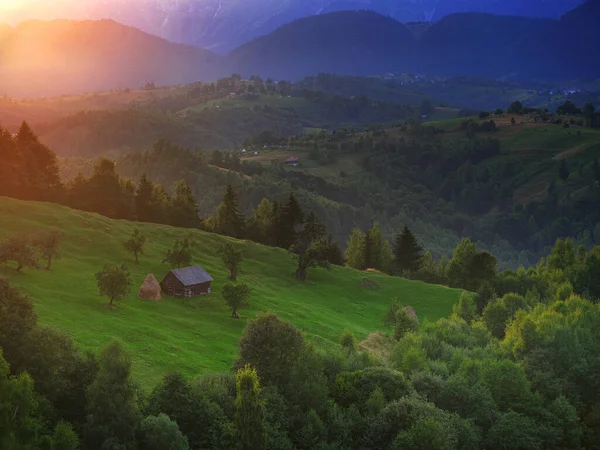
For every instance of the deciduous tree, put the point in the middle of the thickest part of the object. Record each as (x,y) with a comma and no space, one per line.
(135,244)
(162,433)
(236,296)
(114,282)
(232,258)
(20,250)
(47,242)
(113,416)
(180,255)
(271,346)
(17,319)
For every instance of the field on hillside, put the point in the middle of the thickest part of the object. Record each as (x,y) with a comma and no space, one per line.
(193,335)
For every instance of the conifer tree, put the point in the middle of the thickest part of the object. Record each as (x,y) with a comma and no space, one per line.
(144,200)
(41,175)
(314,230)
(407,251)
(185,207)
(249,410)
(11,166)
(291,219)
(229,219)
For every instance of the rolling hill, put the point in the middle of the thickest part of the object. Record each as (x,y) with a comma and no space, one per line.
(194,336)
(62,57)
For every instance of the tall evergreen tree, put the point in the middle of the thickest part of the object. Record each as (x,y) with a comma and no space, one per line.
(314,230)
(291,220)
(249,410)
(229,219)
(408,252)
(113,415)
(184,211)
(144,200)
(41,166)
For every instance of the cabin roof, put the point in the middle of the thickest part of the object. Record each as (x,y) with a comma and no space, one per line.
(190,276)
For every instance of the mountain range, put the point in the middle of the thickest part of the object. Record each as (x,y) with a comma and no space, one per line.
(222,25)
(81,56)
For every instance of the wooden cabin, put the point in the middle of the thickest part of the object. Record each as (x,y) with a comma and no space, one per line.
(187,282)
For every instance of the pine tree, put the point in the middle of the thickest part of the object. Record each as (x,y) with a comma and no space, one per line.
(11,166)
(249,410)
(408,251)
(292,219)
(314,230)
(144,200)
(184,206)
(229,220)
(42,172)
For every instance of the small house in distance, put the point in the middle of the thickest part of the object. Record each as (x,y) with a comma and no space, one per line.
(187,282)
(293,161)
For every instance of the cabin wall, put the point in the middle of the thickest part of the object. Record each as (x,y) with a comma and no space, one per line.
(172,287)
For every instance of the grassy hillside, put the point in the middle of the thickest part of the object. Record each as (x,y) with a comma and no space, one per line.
(195,335)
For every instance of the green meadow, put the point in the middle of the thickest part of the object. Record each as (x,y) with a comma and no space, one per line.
(193,335)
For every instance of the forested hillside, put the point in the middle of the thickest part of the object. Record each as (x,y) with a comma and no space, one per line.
(514,188)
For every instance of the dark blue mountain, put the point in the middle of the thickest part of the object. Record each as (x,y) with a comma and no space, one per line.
(222,25)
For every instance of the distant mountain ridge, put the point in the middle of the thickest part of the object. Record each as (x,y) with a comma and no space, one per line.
(356,42)
(462,44)
(61,57)
(222,25)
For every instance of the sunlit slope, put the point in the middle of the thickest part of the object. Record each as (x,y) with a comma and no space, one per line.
(194,335)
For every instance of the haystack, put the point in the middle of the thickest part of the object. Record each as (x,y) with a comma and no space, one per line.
(150,290)
(412,313)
